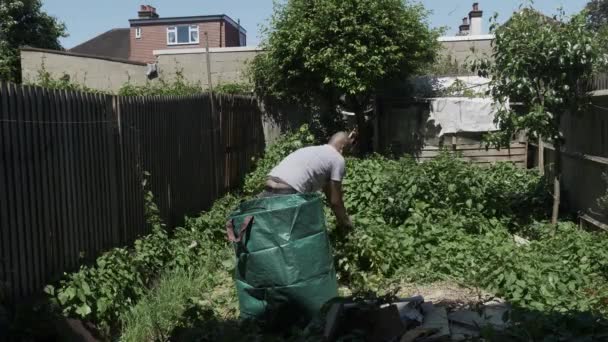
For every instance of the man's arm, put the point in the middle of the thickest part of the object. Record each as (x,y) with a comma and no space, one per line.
(333,191)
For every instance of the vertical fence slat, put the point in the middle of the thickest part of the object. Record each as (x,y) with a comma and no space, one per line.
(21,191)
(7,203)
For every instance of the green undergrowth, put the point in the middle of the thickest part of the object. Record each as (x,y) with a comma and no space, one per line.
(441,220)
(448,219)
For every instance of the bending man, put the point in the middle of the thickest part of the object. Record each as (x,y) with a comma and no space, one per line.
(312,169)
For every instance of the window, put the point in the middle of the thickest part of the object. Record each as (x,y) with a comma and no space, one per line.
(138,33)
(187,34)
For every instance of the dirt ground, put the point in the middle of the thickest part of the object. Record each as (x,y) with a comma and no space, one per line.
(451,295)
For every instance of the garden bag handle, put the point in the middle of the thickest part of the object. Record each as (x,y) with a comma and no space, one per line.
(230,229)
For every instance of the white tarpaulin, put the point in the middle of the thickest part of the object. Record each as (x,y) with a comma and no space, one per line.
(458,114)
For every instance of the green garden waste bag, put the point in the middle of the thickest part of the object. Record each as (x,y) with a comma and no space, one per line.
(285,269)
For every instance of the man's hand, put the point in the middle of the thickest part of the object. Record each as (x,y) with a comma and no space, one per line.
(352,137)
(333,191)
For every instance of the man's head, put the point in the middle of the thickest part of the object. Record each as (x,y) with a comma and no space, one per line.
(341,140)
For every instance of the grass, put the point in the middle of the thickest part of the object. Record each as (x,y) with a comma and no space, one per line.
(181,298)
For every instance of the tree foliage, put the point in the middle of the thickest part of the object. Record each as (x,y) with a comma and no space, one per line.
(544,63)
(597,14)
(326,50)
(23,22)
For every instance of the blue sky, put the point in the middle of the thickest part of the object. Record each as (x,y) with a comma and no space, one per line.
(87,18)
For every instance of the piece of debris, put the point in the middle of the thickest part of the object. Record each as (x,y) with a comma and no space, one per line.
(332,321)
(462,332)
(497,315)
(387,324)
(467,318)
(416,334)
(435,318)
(412,320)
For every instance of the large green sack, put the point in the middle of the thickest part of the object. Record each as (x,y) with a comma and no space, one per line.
(284,259)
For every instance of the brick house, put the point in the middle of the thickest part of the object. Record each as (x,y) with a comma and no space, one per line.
(151,32)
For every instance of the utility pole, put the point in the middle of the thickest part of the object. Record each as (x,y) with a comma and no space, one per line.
(209,84)
(219,180)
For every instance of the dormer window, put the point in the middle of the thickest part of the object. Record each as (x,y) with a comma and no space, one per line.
(183,34)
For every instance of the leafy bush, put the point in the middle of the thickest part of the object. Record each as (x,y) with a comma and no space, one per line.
(178,87)
(103,292)
(46,80)
(447,218)
(234,89)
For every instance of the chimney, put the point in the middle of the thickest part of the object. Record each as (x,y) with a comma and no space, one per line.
(464,28)
(147,12)
(475,18)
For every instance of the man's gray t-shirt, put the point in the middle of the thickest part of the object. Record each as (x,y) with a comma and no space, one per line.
(309,169)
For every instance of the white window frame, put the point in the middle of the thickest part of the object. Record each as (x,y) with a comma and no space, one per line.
(191,29)
(138,33)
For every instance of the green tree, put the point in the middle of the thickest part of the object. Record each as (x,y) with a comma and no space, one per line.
(23,22)
(597,14)
(342,52)
(543,63)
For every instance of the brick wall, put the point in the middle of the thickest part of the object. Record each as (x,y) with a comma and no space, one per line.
(154,37)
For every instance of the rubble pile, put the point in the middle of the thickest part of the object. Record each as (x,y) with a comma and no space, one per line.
(411,320)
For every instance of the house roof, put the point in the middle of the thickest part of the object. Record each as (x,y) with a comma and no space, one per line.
(185,20)
(113,44)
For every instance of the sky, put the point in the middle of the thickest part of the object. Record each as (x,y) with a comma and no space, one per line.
(87,18)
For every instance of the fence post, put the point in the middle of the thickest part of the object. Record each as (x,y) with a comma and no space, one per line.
(541,156)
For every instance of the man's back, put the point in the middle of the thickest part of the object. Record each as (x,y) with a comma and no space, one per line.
(309,169)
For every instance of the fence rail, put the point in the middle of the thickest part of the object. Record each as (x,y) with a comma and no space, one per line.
(72,166)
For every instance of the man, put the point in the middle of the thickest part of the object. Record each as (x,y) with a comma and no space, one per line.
(312,169)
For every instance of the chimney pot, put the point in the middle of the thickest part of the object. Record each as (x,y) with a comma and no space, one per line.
(475,20)
(147,11)
(465,21)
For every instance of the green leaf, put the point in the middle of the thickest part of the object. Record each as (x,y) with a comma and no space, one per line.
(83,310)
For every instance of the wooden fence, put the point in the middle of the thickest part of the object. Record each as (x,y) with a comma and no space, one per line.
(72,166)
(584,161)
(402,127)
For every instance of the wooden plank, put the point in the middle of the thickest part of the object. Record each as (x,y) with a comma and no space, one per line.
(105,135)
(9,219)
(474,147)
(36,198)
(4,224)
(44,169)
(32,215)
(21,191)
(55,151)
(477,153)
(66,180)
(74,177)
(84,229)
(95,191)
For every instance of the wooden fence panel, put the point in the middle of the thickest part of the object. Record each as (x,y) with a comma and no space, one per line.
(402,128)
(72,165)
